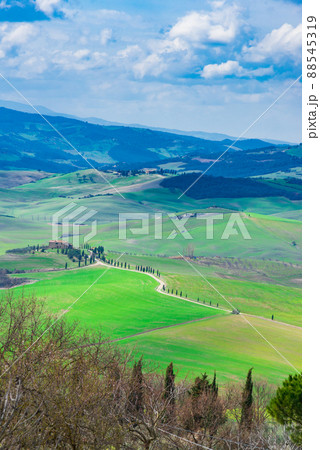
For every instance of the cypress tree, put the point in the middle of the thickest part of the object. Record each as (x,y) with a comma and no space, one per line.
(247,401)
(214,385)
(136,393)
(169,390)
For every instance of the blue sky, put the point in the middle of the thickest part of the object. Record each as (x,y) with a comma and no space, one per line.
(193,65)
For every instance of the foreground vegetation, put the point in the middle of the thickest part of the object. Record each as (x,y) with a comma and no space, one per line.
(61,387)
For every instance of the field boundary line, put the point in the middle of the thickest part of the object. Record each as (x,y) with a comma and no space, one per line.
(110,341)
(60,134)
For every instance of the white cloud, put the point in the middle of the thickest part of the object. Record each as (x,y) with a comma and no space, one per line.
(79,60)
(151,65)
(283,41)
(12,35)
(233,68)
(166,46)
(4,5)
(105,36)
(175,50)
(221,70)
(47,6)
(130,51)
(217,26)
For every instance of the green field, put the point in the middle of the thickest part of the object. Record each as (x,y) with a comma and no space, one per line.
(263,271)
(26,214)
(121,303)
(253,298)
(124,303)
(36,261)
(226,344)
(259,276)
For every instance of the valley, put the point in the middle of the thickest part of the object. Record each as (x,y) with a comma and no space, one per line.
(261,277)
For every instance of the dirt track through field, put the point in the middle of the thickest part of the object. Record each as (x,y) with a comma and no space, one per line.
(161,291)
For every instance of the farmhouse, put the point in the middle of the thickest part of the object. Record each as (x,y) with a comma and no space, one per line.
(59,244)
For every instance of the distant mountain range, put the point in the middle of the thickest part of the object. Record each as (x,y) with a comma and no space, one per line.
(27,141)
(95,120)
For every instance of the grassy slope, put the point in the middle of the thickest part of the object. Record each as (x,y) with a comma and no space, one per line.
(123,303)
(36,261)
(252,298)
(226,344)
(230,268)
(33,205)
(270,239)
(120,303)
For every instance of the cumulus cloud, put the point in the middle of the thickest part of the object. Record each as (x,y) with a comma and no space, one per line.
(233,68)
(151,65)
(15,35)
(178,47)
(221,70)
(219,25)
(283,41)
(47,6)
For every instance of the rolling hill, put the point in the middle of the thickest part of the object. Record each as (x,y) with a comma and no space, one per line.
(27,142)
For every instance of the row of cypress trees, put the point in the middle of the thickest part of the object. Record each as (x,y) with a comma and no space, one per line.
(201,385)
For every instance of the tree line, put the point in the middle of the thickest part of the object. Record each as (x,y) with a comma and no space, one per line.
(220,187)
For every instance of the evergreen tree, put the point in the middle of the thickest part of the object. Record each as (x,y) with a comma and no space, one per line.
(169,390)
(214,386)
(66,265)
(286,406)
(247,401)
(201,384)
(136,394)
